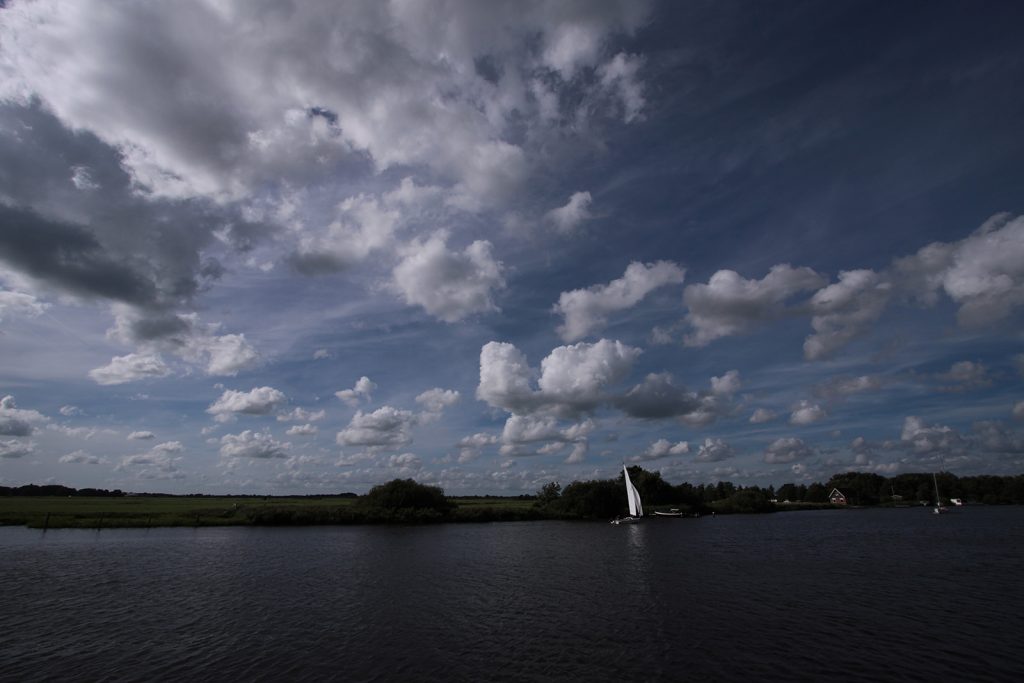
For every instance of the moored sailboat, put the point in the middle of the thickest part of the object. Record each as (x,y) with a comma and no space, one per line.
(939,507)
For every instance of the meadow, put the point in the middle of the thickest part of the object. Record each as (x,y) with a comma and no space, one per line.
(88,512)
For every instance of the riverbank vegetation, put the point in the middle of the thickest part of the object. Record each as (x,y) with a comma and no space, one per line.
(404,501)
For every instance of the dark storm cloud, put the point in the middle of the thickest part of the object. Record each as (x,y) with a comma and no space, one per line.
(72,218)
(70,257)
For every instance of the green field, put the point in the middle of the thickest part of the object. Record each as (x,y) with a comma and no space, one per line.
(144,511)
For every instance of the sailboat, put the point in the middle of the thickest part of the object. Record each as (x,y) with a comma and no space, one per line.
(636,509)
(939,507)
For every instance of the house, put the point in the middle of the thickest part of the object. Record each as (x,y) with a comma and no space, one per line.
(837,497)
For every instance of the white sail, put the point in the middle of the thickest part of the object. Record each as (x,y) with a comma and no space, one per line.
(636,509)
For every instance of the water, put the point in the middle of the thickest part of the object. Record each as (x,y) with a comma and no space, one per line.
(858,594)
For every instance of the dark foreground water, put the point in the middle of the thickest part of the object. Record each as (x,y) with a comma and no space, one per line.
(879,595)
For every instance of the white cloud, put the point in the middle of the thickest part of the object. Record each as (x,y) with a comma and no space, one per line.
(71,411)
(257,401)
(249,444)
(12,449)
(714,450)
(15,421)
(448,285)
(386,426)
(361,391)
(523,430)
(470,446)
(436,400)
(302,415)
(729,304)
(662,448)
(983,273)
(20,304)
(805,413)
(762,415)
(302,430)
(570,216)
(726,385)
(587,310)
(398,83)
(572,378)
(130,368)
(1018,410)
(227,354)
(161,458)
(321,354)
(80,457)
(787,449)
(620,76)
(845,310)
(840,387)
(927,439)
(965,375)
(142,436)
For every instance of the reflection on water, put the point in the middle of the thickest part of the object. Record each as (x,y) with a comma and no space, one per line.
(873,594)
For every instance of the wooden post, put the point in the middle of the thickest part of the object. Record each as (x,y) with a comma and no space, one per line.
(46,522)
(99,524)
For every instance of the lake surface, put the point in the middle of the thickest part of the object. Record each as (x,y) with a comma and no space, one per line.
(851,594)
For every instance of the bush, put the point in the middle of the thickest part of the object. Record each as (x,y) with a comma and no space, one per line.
(401,494)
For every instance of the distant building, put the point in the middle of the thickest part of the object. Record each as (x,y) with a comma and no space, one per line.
(837,497)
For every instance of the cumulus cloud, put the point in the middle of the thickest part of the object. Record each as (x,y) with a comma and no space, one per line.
(841,387)
(662,448)
(966,375)
(386,426)
(983,274)
(658,396)
(71,411)
(449,285)
(573,379)
(714,450)
(1018,410)
(730,304)
(302,430)
(141,436)
(360,392)
(786,450)
(522,430)
(12,448)
(762,415)
(928,439)
(249,444)
(805,413)
(301,415)
(162,457)
(16,421)
(257,401)
(587,310)
(20,304)
(567,218)
(130,368)
(845,310)
(435,400)
(471,446)
(80,458)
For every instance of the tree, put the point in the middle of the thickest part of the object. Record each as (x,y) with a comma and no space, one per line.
(400,494)
(548,493)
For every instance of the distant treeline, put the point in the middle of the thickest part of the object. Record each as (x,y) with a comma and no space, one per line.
(605,498)
(60,490)
(406,501)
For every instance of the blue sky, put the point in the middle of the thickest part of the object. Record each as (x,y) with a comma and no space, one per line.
(262,248)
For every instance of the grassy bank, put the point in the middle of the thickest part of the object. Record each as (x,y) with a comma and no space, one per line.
(140,512)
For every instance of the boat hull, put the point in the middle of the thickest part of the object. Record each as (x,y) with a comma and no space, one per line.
(626,520)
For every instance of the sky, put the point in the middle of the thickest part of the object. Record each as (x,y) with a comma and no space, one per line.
(299,248)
